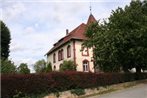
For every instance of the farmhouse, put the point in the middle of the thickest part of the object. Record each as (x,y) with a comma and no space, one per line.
(70,48)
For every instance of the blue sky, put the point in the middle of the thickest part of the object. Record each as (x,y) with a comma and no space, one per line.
(35,25)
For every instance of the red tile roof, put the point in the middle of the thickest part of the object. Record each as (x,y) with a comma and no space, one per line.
(77,33)
(91,19)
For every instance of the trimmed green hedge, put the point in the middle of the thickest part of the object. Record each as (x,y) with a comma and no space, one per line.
(60,81)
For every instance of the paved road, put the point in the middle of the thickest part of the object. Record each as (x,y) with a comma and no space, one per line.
(139,91)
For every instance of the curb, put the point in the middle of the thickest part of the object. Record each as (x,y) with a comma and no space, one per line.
(115,87)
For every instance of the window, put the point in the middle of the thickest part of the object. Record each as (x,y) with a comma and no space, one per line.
(54,67)
(68,51)
(59,55)
(54,58)
(62,54)
(85,51)
(85,65)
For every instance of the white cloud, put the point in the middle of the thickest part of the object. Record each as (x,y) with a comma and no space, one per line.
(16,47)
(29,30)
(12,10)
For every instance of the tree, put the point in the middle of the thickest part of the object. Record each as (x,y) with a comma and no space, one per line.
(40,65)
(23,69)
(48,67)
(7,67)
(5,41)
(121,42)
(68,66)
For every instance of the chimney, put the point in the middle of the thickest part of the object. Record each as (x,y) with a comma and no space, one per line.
(66,31)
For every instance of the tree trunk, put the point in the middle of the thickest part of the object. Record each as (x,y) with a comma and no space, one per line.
(138,69)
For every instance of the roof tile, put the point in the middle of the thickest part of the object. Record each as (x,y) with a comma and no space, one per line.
(77,33)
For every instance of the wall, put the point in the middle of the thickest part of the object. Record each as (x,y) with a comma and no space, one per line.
(57,64)
(80,58)
(78,54)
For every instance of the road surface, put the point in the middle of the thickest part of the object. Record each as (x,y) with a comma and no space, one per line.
(139,91)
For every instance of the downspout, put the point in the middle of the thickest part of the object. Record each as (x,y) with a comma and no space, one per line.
(74,52)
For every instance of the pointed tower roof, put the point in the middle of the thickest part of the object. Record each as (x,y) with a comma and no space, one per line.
(91,19)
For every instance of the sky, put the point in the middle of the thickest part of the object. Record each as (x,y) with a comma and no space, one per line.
(35,25)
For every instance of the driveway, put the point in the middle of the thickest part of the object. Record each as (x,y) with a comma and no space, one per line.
(139,91)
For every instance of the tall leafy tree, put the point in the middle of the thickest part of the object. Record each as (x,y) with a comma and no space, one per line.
(122,41)
(5,40)
(48,67)
(23,69)
(7,67)
(40,66)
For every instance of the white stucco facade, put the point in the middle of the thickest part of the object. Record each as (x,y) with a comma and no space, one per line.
(76,55)
(80,58)
(57,63)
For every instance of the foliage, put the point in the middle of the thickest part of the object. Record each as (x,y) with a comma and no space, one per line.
(40,66)
(121,42)
(68,66)
(20,95)
(78,91)
(48,67)
(23,69)
(5,40)
(32,84)
(7,66)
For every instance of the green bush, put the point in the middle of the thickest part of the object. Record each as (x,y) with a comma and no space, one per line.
(48,67)
(7,66)
(23,69)
(78,91)
(20,95)
(68,66)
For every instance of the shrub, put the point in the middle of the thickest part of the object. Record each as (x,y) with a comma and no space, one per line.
(78,91)
(7,66)
(30,84)
(48,67)
(23,69)
(68,66)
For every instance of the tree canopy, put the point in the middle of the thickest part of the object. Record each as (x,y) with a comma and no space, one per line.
(41,66)
(68,66)
(23,69)
(122,41)
(5,40)
(7,67)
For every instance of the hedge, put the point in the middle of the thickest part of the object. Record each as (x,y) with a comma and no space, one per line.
(60,81)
